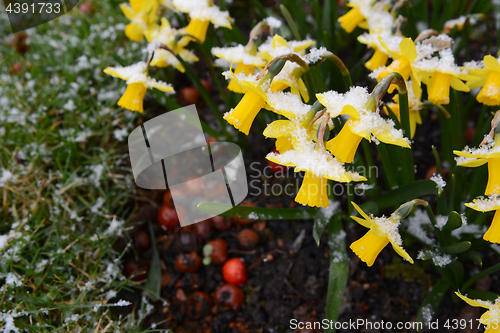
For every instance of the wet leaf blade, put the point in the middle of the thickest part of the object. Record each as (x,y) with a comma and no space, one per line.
(153,285)
(339,269)
(257,213)
(432,301)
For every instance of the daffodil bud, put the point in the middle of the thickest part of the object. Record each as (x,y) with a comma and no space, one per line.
(276,67)
(405,209)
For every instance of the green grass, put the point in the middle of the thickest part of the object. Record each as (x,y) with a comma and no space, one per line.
(63,141)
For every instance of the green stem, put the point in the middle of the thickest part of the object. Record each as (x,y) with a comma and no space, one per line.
(291,23)
(208,61)
(388,167)
(339,270)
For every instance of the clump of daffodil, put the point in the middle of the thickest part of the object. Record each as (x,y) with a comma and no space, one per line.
(245,58)
(415,105)
(143,16)
(356,16)
(305,154)
(166,36)
(491,203)
(201,14)
(383,230)
(138,82)
(488,72)
(290,76)
(489,152)
(440,73)
(254,99)
(491,318)
(364,122)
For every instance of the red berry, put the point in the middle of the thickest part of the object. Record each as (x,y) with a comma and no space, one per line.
(188,95)
(207,85)
(234,271)
(139,271)
(167,219)
(141,240)
(188,263)
(86,8)
(167,199)
(219,251)
(204,229)
(221,223)
(19,42)
(248,239)
(15,68)
(229,296)
(199,305)
(275,167)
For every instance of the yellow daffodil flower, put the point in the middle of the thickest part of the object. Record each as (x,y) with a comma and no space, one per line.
(491,318)
(415,105)
(201,13)
(299,115)
(302,151)
(383,230)
(441,73)
(166,35)
(276,46)
(489,80)
(488,153)
(318,166)
(246,61)
(138,82)
(356,16)
(291,74)
(363,123)
(491,203)
(243,115)
(402,62)
(143,16)
(380,56)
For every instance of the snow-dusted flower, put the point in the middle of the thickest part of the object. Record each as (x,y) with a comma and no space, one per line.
(381,54)
(363,123)
(491,203)
(383,230)
(142,16)
(138,82)
(166,36)
(243,115)
(403,61)
(246,60)
(303,154)
(201,13)
(489,153)
(290,75)
(356,16)
(439,74)
(488,72)
(491,318)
